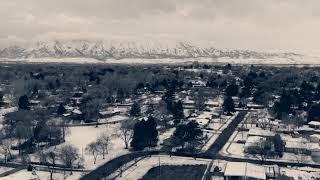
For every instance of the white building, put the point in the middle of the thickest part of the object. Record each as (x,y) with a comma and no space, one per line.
(261,133)
(314,124)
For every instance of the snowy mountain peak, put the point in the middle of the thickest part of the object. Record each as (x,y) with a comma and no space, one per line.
(119,50)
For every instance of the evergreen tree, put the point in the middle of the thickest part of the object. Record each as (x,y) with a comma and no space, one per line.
(314,113)
(228,105)
(169,97)
(137,142)
(145,134)
(306,91)
(279,145)
(151,132)
(187,133)
(248,86)
(1,98)
(23,103)
(178,113)
(232,90)
(283,106)
(135,110)
(61,110)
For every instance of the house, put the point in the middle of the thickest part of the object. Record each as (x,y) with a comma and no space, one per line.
(314,124)
(300,146)
(260,133)
(243,170)
(76,114)
(197,83)
(109,113)
(214,103)
(254,106)
(188,103)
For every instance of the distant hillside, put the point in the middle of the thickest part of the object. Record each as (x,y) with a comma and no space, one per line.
(104,51)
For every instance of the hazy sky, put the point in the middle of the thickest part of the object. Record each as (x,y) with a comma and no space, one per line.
(254,24)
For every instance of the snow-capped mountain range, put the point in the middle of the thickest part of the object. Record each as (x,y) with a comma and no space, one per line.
(104,51)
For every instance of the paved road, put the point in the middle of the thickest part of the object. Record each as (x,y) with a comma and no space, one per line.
(225,135)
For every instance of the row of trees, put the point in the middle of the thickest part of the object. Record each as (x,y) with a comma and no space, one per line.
(67,154)
(99,147)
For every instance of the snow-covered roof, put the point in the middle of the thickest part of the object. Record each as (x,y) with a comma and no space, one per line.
(314,123)
(34,101)
(77,111)
(254,105)
(66,114)
(305,128)
(109,111)
(301,143)
(260,132)
(315,136)
(213,102)
(243,169)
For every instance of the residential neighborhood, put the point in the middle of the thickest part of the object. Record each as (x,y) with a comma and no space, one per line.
(146,121)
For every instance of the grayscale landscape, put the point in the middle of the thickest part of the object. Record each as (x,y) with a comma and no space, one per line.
(150,89)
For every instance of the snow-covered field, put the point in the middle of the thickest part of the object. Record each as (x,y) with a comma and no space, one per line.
(41,175)
(114,119)
(81,136)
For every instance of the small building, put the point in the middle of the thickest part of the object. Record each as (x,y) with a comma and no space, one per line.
(261,133)
(197,83)
(76,114)
(314,124)
(211,103)
(300,146)
(243,170)
(255,106)
(108,113)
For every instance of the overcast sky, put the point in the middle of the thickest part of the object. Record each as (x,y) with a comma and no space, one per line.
(254,24)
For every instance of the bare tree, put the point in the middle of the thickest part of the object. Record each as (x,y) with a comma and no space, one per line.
(93,148)
(52,158)
(68,155)
(5,149)
(103,144)
(126,131)
(49,158)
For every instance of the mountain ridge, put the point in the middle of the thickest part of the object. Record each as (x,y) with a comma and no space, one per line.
(102,51)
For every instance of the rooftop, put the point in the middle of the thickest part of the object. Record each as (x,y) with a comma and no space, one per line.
(314,123)
(260,132)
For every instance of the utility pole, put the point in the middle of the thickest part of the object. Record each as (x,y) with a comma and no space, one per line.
(159,168)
